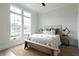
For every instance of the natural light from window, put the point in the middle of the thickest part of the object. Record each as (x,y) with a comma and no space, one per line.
(20,23)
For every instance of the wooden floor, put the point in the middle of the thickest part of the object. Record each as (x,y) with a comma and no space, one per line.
(65,51)
(20,51)
(6,52)
(69,51)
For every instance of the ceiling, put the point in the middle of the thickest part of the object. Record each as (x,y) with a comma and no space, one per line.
(41,9)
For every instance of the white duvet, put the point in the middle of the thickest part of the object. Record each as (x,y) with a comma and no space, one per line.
(46,39)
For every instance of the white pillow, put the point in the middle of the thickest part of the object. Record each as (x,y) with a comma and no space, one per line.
(44,32)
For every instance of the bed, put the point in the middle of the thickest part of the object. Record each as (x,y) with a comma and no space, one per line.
(48,38)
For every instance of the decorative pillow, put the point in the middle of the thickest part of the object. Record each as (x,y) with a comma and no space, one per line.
(44,31)
(52,32)
(57,31)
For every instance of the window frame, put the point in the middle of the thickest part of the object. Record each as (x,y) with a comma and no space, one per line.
(23,24)
(22,21)
(14,37)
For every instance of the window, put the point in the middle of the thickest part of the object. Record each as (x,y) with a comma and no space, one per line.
(27,23)
(20,23)
(15,23)
(16,10)
(27,14)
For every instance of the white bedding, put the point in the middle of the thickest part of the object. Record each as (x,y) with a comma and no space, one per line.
(50,40)
(46,39)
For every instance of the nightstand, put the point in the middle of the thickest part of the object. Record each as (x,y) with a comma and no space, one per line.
(65,40)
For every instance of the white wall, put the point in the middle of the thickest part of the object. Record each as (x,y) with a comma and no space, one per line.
(65,16)
(5,41)
(78,23)
(4,33)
